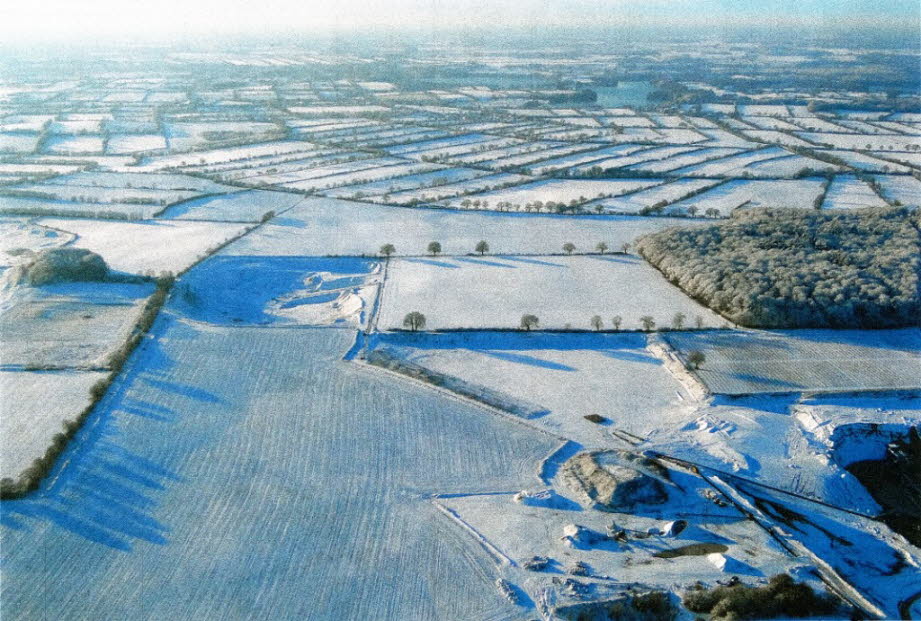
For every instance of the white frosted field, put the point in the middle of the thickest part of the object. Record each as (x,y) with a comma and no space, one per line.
(18,142)
(38,206)
(120,144)
(240,206)
(408,182)
(683,159)
(74,144)
(669,192)
(480,184)
(799,193)
(148,246)
(68,325)
(102,195)
(20,233)
(33,408)
(563,376)
(889,142)
(849,192)
(334,227)
(495,291)
(868,163)
(559,191)
(637,157)
(903,188)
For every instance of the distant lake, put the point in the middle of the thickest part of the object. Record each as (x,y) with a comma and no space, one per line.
(624,94)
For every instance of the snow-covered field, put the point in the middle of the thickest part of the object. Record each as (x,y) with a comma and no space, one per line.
(334,227)
(69,325)
(120,144)
(448,190)
(799,193)
(280,290)
(409,182)
(849,192)
(793,361)
(18,142)
(18,233)
(903,188)
(565,376)
(151,246)
(495,291)
(38,206)
(302,437)
(33,409)
(669,192)
(241,206)
(559,191)
(889,142)
(74,144)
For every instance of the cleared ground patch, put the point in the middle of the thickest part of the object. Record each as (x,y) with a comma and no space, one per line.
(495,291)
(805,360)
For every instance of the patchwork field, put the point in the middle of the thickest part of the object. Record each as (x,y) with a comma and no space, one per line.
(563,292)
(746,362)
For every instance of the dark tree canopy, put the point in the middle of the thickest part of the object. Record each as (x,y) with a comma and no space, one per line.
(790,268)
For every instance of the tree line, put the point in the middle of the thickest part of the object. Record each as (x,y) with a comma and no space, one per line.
(791,268)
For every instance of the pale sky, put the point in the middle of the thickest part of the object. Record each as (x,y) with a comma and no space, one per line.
(34,20)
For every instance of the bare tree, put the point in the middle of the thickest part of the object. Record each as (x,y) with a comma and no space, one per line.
(678,320)
(699,322)
(648,322)
(616,321)
(601,247)
(387,250)
(695,359)
(414,321)
(597,323)
(625,248)
(482,247)
(569,247)
(528,322)
(434,248)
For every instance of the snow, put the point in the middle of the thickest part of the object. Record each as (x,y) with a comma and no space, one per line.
(495,291)
(74,144)
(849,192)
(119,144)
(902,188)
(280,291)
(27,424)
(636,201)
(17,233)
(793,361)
(334,227)
(244,206)
(799,193)
(147,246)
(558,191)
(67,325)
(566,376)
